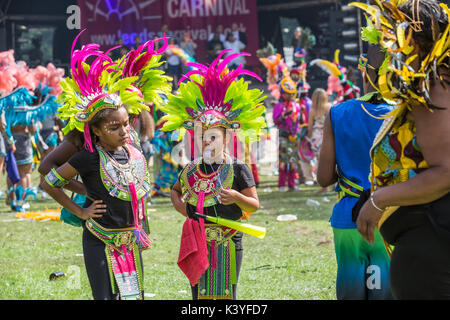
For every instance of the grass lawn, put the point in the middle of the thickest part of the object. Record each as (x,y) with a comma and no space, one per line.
(295,260)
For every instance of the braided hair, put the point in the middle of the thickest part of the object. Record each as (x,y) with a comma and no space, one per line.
(429,20)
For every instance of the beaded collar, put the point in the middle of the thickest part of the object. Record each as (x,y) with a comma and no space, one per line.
(116,177)
(193,181)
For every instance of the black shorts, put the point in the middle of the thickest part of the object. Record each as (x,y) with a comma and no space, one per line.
(420,262)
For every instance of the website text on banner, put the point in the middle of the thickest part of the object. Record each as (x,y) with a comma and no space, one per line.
(107,21)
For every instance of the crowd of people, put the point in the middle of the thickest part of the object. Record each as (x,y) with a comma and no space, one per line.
(300,117)
(377,149)
(29,126)
(384,151)
(36,139)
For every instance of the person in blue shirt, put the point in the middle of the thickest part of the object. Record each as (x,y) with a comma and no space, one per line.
(349,130)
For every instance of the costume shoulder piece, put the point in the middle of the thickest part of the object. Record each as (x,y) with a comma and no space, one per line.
(26,114)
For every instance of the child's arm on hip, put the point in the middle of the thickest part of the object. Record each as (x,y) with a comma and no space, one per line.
(67,172)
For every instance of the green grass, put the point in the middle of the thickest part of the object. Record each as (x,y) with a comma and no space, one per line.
(295,260)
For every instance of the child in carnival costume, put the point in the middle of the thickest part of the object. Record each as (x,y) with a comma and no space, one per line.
(286,116)
(298,70)
(48,132)
(215,184)
(29,103)
(298,75)
(408,199)
(305,152)
(97,100)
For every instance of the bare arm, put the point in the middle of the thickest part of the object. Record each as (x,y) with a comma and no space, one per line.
(176,197)
(57,157)
(60,155)
(326,171)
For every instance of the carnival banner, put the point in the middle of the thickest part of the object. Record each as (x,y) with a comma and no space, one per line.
(107,21)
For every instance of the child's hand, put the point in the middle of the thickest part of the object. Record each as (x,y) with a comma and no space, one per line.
(228,196)
(95,210)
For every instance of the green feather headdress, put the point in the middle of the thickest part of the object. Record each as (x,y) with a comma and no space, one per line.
(214,98)
(393,30)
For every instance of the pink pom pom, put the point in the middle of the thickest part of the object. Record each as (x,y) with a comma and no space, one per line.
(41,76)
(7,58)
(7,81)
(8,69)
(24,77)
(55,76)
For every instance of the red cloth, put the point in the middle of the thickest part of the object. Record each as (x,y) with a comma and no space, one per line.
(193,255)
(255,171)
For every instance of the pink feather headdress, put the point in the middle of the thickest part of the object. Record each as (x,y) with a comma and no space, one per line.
(222,99)
(136,60)
(24,76)
(88,91)
(103,83)
(215,81)
(141,63)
